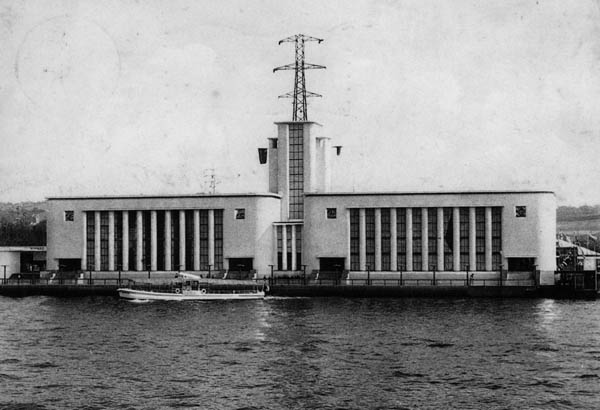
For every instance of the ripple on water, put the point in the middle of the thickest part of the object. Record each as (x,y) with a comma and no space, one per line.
(309,354)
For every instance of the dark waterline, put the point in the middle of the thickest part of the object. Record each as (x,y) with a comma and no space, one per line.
(309,353)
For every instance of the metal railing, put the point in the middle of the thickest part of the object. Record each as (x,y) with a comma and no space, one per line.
(59,281)
(401,282)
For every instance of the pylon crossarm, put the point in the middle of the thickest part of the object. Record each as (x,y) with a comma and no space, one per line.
(286,67)
(308,66)
(291,95)
(294,38)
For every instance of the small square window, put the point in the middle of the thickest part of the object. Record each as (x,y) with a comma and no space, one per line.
(331,213)
(240,213)
(521,211)
(69,216)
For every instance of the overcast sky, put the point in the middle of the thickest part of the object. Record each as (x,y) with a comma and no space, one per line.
(145,97)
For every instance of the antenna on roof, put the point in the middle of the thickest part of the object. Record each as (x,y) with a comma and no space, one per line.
(299,94)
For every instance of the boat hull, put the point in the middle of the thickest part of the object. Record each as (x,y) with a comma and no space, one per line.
(134,294)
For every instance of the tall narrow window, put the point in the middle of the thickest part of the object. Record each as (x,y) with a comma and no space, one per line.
(401,238)
(432,235)
(104,240)
(354,240)
(132,240)
(118,249)
(296,171)
(496,238)
(175,240)
(417,239)
(279,247)
(90,238)
(480,238)
(370,237)
(189,239)
(146,241)
(218,239)
(448,240)
(204,239)
(160,239)
(298,246)
(464,240)
(385,239)
(288,239)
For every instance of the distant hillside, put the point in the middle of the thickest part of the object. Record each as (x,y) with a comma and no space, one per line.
(28,212)
(22,223)
(581,219)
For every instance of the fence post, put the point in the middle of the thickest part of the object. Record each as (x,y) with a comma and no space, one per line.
(368,275)
(272,277)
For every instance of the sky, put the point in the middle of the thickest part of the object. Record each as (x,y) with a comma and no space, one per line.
(152,97)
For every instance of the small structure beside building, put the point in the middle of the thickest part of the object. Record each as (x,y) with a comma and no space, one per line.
(21,260)
(573,257)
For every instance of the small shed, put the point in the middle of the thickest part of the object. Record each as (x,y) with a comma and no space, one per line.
(21,259)
(572,257)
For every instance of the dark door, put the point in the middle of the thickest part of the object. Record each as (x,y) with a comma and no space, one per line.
(521,264)
(240,264)
(240,268)
(69,265)
(331,264)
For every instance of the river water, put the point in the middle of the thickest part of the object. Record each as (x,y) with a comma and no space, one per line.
(299,353)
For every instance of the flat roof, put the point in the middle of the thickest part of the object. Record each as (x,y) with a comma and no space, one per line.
(18,248)
(297,122)
(424,193)
(231,195)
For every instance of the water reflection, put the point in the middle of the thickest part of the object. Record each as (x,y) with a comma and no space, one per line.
(300,353)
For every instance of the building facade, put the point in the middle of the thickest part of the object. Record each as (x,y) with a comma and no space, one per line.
(300,226)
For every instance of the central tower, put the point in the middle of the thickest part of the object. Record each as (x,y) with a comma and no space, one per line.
(295,153)
(298,162)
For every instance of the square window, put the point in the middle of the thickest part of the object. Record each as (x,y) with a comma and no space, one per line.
(69,216)
(331,213)
(240,213)
(521,211)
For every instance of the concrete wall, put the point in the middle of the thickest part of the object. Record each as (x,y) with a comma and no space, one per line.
(531,236)
(13,262)
(246,238)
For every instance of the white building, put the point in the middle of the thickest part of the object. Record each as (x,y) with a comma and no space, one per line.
(300,226)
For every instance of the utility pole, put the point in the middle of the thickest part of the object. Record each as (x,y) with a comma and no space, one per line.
(210,180)
(299,94)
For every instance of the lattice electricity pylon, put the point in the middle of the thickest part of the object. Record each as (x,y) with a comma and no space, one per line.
(299,94)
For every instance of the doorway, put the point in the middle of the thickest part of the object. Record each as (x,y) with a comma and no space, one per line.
(69,265)
(331,264)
